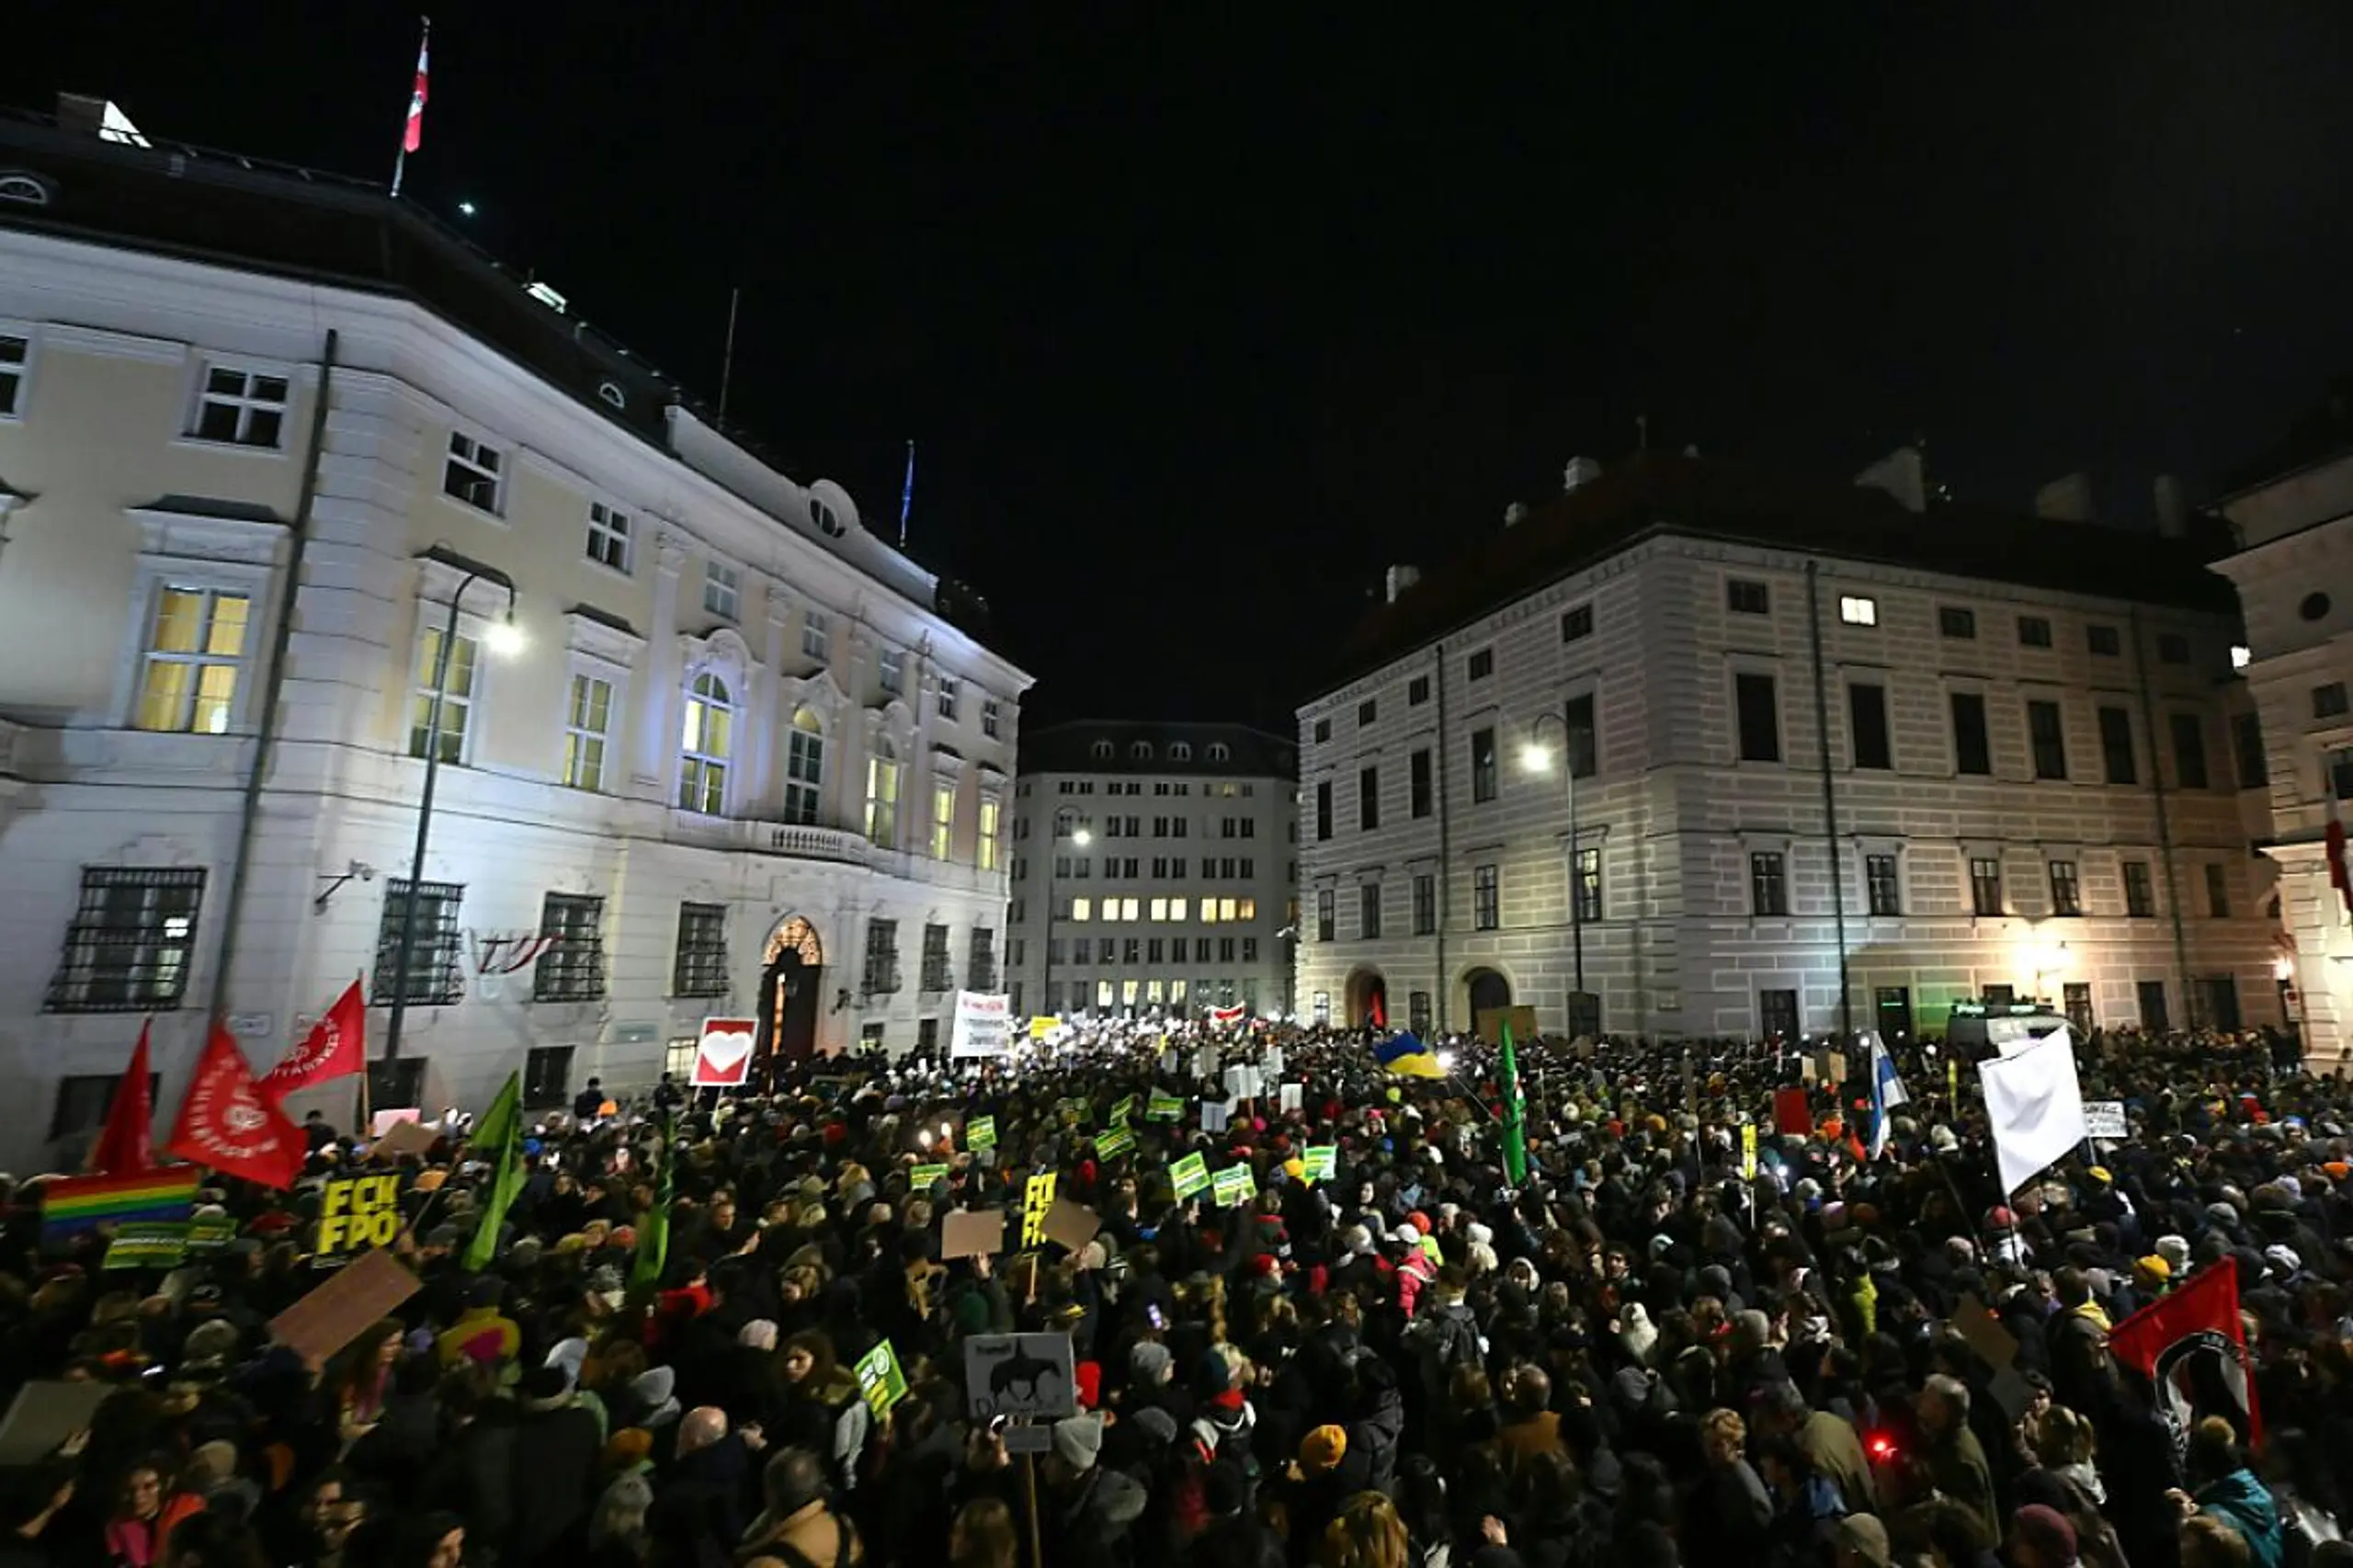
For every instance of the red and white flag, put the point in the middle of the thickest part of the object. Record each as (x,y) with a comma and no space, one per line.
(413,136)
(226,1125)
(2340,876)
(2192,1347)
(336,1046)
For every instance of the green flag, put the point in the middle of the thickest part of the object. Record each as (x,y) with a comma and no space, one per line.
(653,1234)
(503,1118)
(1515,1113)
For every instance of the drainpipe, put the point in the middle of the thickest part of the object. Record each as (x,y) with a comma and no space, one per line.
(1829,795)
(2191,1006)
(273,688)
(1445,854)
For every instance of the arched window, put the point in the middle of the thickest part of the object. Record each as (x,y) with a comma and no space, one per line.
(883,797)
(30,189)
(1103,751)
(804,767)
(1218,752)
(707,744)
(1140,751)
(1181,752)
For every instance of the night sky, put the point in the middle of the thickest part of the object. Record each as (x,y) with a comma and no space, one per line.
(1200,319)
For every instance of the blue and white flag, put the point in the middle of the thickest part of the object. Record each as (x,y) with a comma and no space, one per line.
(1887,1092)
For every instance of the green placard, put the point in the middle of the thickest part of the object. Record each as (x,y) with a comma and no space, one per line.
(1164,1107)
(1113,1141)
(922,1178)
(980,1132)
(1235,1185)
(1123,1109)
(879,1378)
(1190,1173)
(148,1244)
(210,1233)
(1322,1161)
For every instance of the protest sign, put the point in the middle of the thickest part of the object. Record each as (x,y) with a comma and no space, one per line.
(1042,1025)
(1235,1185)
(1164,1107)
(45,1415)
(879,1378)
(1123,1109)
(723,1053)
(1019,1374)
(358,1212)
(1322,1161)
(980,1132)
(148,1244)
(982,1025)
(1113,1141)
(1189,1175)
(973,1232)
(1748,1151)
(1071,1223)
(2105,1120)
(403,1138)
(1215,1116)
(1292,1097)
(922,1178)
(1036,1201)
(210,1232)
(327,1319)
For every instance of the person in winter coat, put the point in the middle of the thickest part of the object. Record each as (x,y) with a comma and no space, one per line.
(556,1446)
(798,1529)
(1728,1515)
(1091,1507)
(698,1514)
(139,1531)
(2225,1489)
(1955,1461)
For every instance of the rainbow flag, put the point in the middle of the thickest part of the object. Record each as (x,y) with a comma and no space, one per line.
(72,1205)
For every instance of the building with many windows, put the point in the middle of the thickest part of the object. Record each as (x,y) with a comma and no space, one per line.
(1154,869)
(1748,755)
(276,453)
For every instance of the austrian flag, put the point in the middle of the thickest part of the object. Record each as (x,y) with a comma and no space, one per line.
(413,137)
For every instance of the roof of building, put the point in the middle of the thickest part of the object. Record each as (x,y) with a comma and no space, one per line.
(2318,433)
(1655,493)
(1144,745)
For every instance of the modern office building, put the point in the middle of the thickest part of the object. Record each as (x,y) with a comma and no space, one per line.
(1814,756)
(272,446)
(1154,869)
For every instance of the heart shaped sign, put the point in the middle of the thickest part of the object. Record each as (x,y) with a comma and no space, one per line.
(724,1051)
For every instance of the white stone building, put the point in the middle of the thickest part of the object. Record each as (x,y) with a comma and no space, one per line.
(1155,868)
(741,742)
(2023,727)
(2293,566)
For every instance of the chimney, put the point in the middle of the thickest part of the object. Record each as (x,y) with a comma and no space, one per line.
(1901,474)
(1581,472)
(1515,513)
(2066,500)
(2173,507)
(1400,579)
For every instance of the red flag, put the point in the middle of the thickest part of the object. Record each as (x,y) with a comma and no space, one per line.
(413,136)
(124,1147)
(2193,1347)
(336,1046)
(225,1124)
(2339,876)
(1791,1113)
(1380,1011)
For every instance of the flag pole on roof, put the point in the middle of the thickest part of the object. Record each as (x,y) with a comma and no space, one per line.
(412,131)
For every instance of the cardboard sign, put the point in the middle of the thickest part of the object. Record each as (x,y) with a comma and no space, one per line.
(45,1415)
(1488,1023)
(723,1053)
(1164,1107)
(383,1121)
(972,1232)
(879,1378)
(1322,1161)
(982,1025)
(358,1211)
(1071,1223)
(339,1311)
(1833,1066)
(1790,1113)
(1190,1175)
(1037,1199)
(1113,1142)
(1985,1332)
(1235,1185)
(403,1139)
(1748,1151)
(1123,1109)
(2105,1120)
(1292,1097)
(980,1132)
(148,1244)
(922,1178)
(1019,1374)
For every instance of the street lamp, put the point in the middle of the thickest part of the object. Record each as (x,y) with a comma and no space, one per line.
(1079,835)
(1536,757)
(503,638)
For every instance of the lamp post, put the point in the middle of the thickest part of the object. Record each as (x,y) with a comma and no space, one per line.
(1081,838)
(502,637)
(1536,757)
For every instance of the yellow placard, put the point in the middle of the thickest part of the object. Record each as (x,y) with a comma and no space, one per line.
(1040,1028)
(359,1212)
(1748,1152)
(1041,1198)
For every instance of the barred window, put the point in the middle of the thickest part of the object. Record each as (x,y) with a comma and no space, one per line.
(572,967)
(434,976)
(935,975)
(981,967)
(881,975)
(701,968)
(547,1077)
(127,948)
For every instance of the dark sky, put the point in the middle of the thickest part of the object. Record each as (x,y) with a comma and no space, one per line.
(1200,315)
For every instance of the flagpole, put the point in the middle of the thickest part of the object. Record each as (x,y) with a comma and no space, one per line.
(409,116)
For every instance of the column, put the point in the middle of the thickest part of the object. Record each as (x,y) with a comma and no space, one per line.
(657,735)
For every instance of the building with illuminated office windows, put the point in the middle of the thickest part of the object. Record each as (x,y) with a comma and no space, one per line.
(1154,869)
(256,427)
(1778,734)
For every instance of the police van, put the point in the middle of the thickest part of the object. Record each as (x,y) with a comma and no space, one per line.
(1979,1029)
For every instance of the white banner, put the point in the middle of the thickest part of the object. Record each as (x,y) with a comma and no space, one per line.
(2036,1106)
(984,1022)
(2105,1118)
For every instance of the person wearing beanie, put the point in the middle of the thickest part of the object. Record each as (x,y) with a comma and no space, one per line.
(2040,1537)
(1150,1365)
(556,1444)
(2225,1489)
(1232,1535)
(1092,1506)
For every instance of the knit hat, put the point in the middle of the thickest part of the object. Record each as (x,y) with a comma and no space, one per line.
(758,1335)
(2046,1529)
(2175,1250)
(1213,1375)
(1150,1362)
(2153,1268)
(630,1446)
(1863,1535)
(1157,1424)
(1078,1440)
(1324,1447)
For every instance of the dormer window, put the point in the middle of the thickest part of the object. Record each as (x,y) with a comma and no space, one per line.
(1140,751)
(30,190)
(822,516)
(1219,751)
(1102,750)
(1181,752)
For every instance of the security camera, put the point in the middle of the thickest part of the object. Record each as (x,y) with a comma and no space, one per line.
(363,870)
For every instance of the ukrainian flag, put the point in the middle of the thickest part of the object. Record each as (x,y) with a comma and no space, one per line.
(1406,1057)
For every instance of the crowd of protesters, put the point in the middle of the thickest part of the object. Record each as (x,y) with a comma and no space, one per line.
(1644,1353)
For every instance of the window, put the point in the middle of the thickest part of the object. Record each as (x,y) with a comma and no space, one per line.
(1857,610)
(607,536)
(84,1100)
(2140,897)
(991,816)
(1249,949)
(890,671)
(722,590)
(1319,1008)
(572,967)
(196,648)
(2066,889)
(936,977)
(980,959)
(2103,640)
(1425,904)
(2151,993)
(1867,726)
(1323,811)
(1972,752)
(1417,784)
(705,743)
(1769,882)
(2189,751)
(1588,888)
(881,975)
(1367,799)
(926,1030)
(16,357)
(2336,773)
(1952,620)
(1759,717)
(1882,892)
(1417,691)
(1482,765)
(882,823)
(585,721)
(1219,752)
(2077,1000)
(244,408)
(2328,701)
(2048,737)
(944,700)
(1366,712)
(472,472)
(1584,757)
(993,717)
(2173,648)
(457,695)
(435,976)
(699,968)
(547,1077)
(817,635)
(1777,1011)
(1576,623)
(2218,890)
(1985,884)
(2034,631)
(2247,747)
(943,820)
(2116,746)
(1082,909)
(1486,898)
(804,768)
(1369,910)
(1417,1013)
(1325,921)
(128,946)
(1745,598)
(1482,663)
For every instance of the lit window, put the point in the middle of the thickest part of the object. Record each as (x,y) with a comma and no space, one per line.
(194,652)
(705,746)
(943,820)
(1128,993)
(816,633)
(891,670)
(607,536)
(1247,909)
(804,768)
(1082,909)
(1856,609)
(1178,907)
(722,589)
(244,408)
(585,723)
(471,473)
(991,812)
(458,698)
(883,796)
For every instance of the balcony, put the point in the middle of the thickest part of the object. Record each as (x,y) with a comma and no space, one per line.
(793,840)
